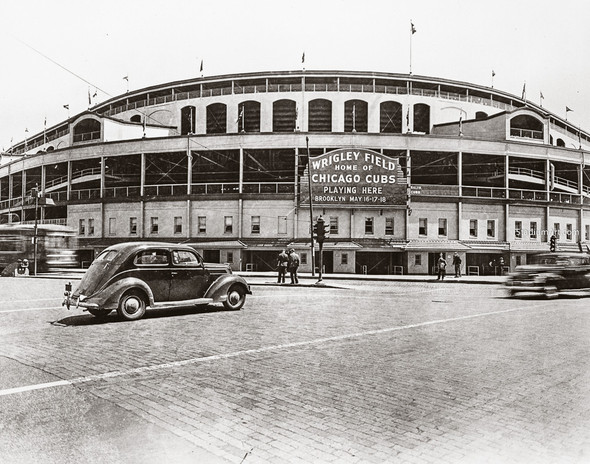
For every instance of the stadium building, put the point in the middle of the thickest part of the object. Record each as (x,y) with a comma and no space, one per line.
(403,168)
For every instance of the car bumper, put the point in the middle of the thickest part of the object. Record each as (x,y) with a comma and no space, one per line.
(70,301)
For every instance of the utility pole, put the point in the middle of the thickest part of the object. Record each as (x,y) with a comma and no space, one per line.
(310,208)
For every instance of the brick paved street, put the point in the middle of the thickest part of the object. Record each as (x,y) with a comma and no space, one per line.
(371,372)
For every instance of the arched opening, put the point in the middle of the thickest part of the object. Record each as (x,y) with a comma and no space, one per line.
(526,126)
(87,130)
(188,120)
(284,116)
(50,148)
(135,118)
(390,117)
(320,115)
(355,116)
(481,115)
(560,143)
(422,118)
(249,116)
(216,118)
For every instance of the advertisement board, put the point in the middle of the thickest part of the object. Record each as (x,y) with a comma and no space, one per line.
(354,177)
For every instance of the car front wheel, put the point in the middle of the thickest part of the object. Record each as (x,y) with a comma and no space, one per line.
(236,297)
(132,305)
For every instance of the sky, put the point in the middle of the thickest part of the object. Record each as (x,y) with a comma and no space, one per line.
(54,52)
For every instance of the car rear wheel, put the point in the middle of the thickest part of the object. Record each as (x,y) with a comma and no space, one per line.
(236,297)
(100,313)
(132,305)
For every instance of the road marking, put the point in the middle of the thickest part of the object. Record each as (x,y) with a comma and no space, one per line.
(235,354)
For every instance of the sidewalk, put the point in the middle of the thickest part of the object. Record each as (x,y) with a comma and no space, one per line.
(309,280)
(327,278)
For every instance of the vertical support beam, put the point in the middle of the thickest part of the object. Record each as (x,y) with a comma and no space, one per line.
(189,172)
(142,174)
(188,219)
(23,189)
(506,172)
(550,232)
(506,221)
(296,193)
(241,200)
(460,172)
(141,225)
(42,191)
(69,185)
(103,163)
(409,179)
(459,219)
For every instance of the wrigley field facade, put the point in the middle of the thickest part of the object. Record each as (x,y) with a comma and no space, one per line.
(403,168)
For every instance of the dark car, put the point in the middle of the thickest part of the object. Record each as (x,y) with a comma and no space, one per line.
(131,277)
(550,274)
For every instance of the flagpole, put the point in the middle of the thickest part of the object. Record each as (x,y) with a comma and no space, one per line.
(411,34)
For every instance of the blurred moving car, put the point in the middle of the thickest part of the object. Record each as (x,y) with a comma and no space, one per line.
(550,274)
(130,277)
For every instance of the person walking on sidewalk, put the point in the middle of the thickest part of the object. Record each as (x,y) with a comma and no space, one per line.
(282,264)
(442,266)
(457,264)
(293,266)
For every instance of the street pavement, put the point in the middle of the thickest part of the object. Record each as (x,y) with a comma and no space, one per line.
(358,371)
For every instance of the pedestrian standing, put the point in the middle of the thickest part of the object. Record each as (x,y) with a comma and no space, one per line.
(442,266)
(293,266)
(457,264)
(282,264)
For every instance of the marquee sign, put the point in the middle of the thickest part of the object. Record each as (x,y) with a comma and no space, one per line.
(355,177)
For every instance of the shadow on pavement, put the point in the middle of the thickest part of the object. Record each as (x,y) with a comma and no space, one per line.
(88,319)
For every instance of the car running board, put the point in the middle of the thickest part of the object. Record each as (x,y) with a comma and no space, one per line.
(182,304)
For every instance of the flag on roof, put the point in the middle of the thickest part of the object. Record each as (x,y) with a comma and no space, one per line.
(412,28)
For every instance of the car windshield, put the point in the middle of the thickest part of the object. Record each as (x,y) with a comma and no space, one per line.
(560,260)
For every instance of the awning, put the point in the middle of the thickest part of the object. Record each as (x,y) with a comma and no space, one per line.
(327,245)
(436,245)
(225,244)
(481,245)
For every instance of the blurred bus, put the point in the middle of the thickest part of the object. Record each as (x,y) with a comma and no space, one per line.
(56,246)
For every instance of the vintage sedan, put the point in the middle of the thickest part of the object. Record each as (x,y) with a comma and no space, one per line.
(130,277)
(550,274)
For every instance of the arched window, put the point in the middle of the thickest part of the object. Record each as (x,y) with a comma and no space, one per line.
(320,115)
(284,116)
(526,126)
(188,120)
(50,148)
(135,118)
(390,117)
(560,143)
(249,116)
(422,118)
(355,116)
(481,115)
(87,130)
(216,118)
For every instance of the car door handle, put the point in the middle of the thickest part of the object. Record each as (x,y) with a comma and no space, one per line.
(174,273)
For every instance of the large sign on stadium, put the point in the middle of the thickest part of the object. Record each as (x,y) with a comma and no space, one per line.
(355,177)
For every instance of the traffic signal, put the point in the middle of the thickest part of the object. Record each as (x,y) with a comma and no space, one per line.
(552,244)
(320,230)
